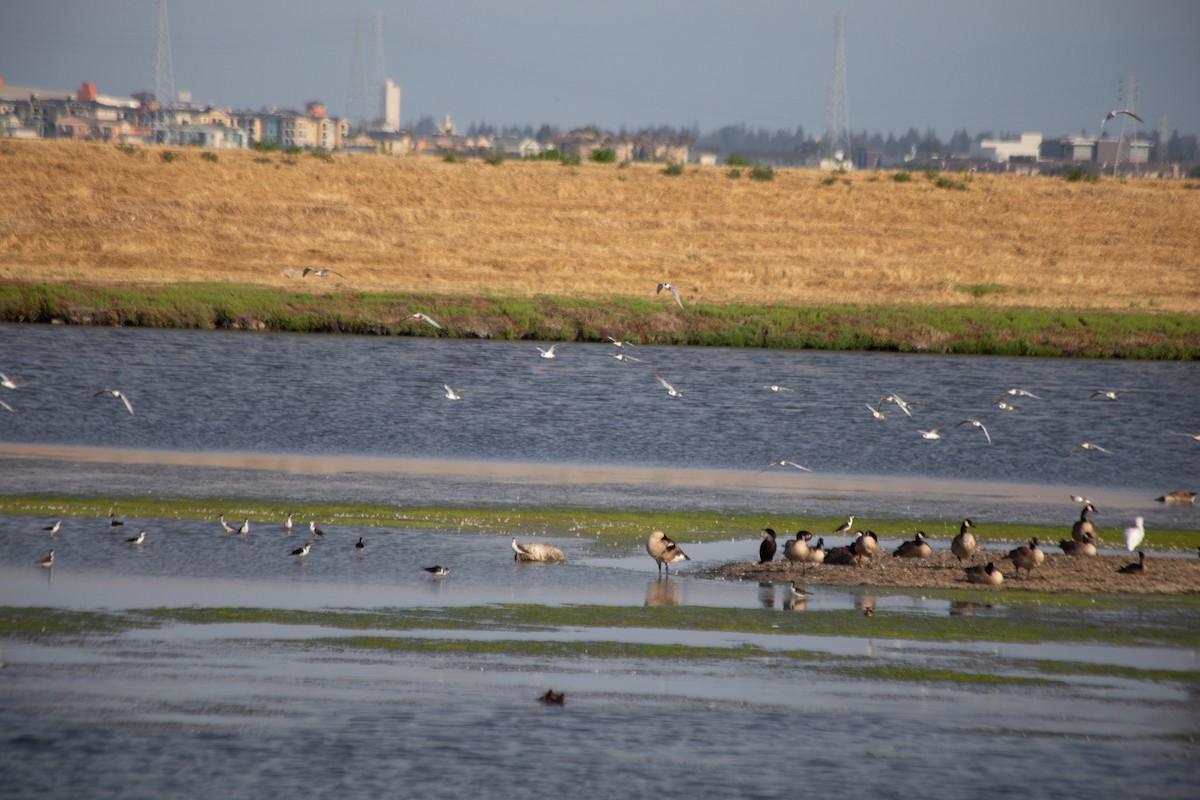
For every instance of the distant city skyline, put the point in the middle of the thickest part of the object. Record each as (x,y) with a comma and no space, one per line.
(1051,67)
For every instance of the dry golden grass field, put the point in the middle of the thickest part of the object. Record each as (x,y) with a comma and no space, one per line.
(93,214)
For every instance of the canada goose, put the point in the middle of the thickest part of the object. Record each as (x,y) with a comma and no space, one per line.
(841,556)
(1081,529)
(1086,547)
(917,548)
(987,575)
(1134,534)
(766,550)
(1039,555)
(141,537)
(53,529)
(1135,569)
(670,289)
(1025,558)
(1178,498)
(437,570)
(553,698)
(664,551)
(816,553)
(964,545)
(797,550)
(536,551)
(866,545)
(48,561)
(302,550)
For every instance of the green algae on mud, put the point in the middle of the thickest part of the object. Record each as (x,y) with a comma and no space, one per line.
(965,329)
(611,529)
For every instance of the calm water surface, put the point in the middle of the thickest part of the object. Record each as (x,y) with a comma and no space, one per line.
(256,710)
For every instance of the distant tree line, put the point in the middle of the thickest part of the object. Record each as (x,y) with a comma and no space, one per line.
(791,146)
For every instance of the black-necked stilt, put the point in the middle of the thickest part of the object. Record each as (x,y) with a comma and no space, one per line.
(302,550)
(320,273)
(228,528)
(287,523)
(672,290)
(141,537)
(845,526)
(113,522)
(48,561)
(244,528)
(53,529)
(437,570)
(313,529)
(664,551)
(119,395)
(359,544)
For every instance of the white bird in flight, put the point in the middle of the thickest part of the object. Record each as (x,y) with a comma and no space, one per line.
(670,289)
(1078,498)
(895,398)
(671,390)
(618,342)
(625,357)
(932,433)
(548,352)
(450,393)
(1004,406)
(1088,446)
(7,382)
(1106,394)
(321,273)
(1117,112)
(784,463)
(7,407)
(1016,393)
(118,394)
(774,387)
(1135,534)
(875,412)
(423,318)
(976,423)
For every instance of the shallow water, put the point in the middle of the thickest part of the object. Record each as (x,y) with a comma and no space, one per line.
(269,709)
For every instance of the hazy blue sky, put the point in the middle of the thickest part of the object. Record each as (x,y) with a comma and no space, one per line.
(1010,65)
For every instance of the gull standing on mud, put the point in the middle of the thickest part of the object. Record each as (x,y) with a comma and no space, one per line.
(670,289)
(118,394)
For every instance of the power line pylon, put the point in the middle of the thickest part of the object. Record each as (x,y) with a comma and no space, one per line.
(836,141)
(164,70)
(357,100)
(378,72)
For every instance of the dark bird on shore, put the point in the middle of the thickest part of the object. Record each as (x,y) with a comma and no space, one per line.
(117,393)
(1086,547)
(1135,569)
(1025,557)
(766,549)
(1178,498)
(816,553)
(1081,529)
(320,273)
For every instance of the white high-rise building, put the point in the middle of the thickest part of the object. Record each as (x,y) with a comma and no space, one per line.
(391,105)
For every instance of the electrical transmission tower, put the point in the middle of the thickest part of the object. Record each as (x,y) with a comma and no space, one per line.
(835,144)
(164,71)
(1127,94)
(1161,145)
(357,101)
(378,72)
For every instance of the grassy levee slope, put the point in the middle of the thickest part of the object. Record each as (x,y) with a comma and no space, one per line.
(590,242)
